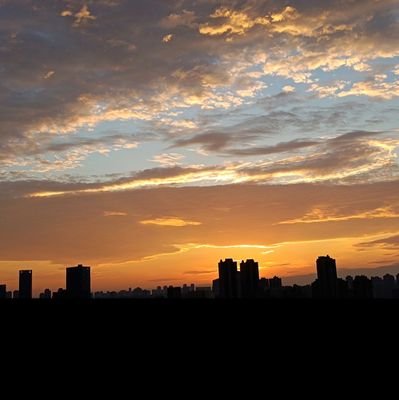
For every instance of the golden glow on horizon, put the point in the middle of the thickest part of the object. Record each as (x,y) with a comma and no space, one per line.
(285,259)
(288,259)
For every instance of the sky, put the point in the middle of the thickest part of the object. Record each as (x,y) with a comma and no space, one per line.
(149,139)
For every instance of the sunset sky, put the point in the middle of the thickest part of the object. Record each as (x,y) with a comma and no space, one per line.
(151,138)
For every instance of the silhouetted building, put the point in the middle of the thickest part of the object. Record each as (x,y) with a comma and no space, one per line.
(78,282)
(378,287)
(25,284)
(362,287)
(249,277)
(60,294)
(15,294)
(275,283)
(46,295)
(203,292)
(326,277)
(389,285)
(174,292)
(187,290)
(263,284)
(158,293)
(349,281)
(228,279)
(216,288)
(3,292)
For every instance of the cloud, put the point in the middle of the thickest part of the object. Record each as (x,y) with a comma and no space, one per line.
(201,272)
(388,243)
(170,222)
(168,159)
(288,89)
(327,90)
(114,214)
(208,141)
(167,38)
(375,88)
(214,95)
(237,22)
(63,154)
(185,18)
(81,17)
(66,13)
(82,234)
(49,74)
(318,215)
(361,155)
(278,148)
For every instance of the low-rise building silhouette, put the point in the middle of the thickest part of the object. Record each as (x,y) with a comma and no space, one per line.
(275,283)
(46,295)
(174,292)
(362,287)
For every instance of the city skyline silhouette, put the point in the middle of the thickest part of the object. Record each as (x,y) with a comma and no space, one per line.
(233,283)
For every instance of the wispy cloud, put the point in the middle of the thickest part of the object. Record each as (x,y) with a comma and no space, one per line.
(168,159)
(354,155)
(200,272)
(170,222)
(319,215)
(115,214)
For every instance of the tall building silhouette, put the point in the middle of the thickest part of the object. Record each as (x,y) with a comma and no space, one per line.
(25,284)
(326,277)
(228,279)
(78,282)
(3,292)
(249,277)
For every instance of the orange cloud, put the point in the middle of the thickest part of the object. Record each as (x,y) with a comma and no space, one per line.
(114,214)
(170,221)
(81,17)
(320,215)
(237,23)
(167,38)
(376,88)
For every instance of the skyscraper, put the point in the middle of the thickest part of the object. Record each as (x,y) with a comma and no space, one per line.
(78,282)
(25,284)
(249,278)
(327,277)
(3,292)
(228,279)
